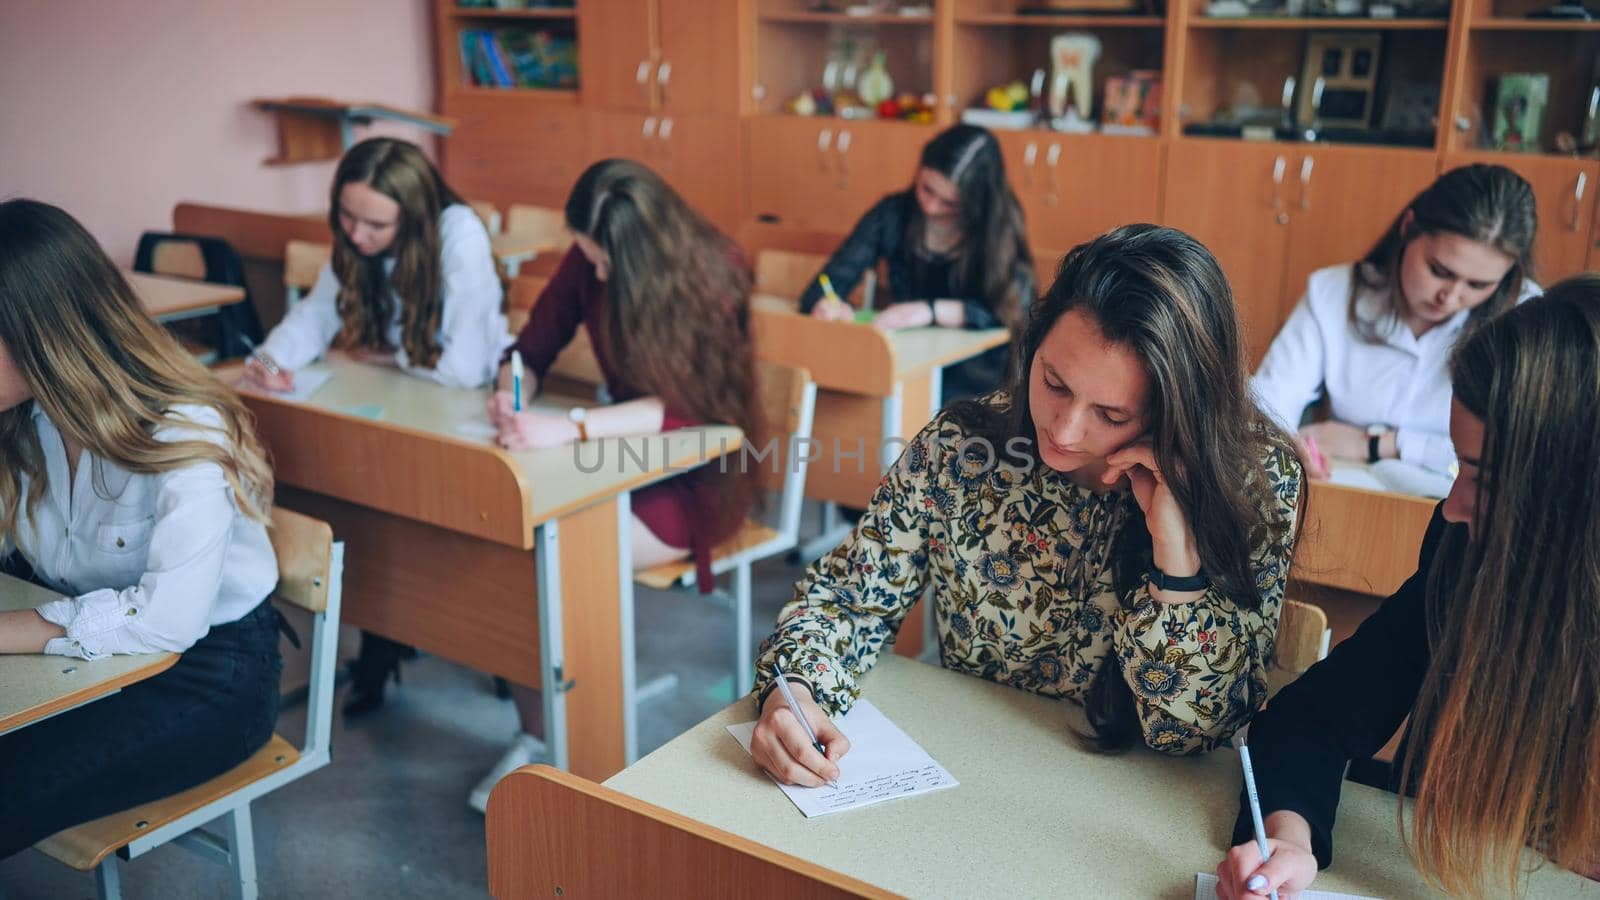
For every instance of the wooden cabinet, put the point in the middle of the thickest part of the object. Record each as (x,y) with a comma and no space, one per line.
(689,152)
(616,54)
(1565,192)
(1341,200)
(513,149)
(825,173)
(1074,187)
(1233,197)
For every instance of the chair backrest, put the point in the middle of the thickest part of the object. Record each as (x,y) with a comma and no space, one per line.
(310,576)
(1303,636)
(551,833)
(203,258)
(789,401)
(302,262)
(539,222)
(488,213)
(786,273)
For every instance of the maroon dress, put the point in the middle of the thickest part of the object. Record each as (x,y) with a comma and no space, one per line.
(681,511)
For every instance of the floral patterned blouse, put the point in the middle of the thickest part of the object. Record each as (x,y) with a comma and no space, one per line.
(1020,562)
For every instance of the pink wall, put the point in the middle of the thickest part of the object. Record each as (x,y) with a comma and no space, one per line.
(118,110)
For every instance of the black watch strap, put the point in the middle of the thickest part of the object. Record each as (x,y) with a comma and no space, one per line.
(1164,582)
(1372,447)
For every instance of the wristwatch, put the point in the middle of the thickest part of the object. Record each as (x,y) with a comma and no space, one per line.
(579,416)
(1375,433)
(1164,582)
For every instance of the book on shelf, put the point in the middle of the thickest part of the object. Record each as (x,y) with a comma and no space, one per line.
(519,58)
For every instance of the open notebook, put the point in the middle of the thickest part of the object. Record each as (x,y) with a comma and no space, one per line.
(1205,888)
(883,763)
(1393,476)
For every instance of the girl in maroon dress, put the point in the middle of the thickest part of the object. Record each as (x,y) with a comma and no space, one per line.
(665,298)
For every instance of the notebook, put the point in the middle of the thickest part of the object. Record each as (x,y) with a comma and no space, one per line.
(306,382)
(1205,888)
(883,764)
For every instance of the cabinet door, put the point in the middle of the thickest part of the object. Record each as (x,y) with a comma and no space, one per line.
(1092,183)
(510,149)
(1233,197)
(622,136)
(1023,152)
(1565,191)
(698,71)
(693,154)
(793,172)
(616,62)
(1342,200)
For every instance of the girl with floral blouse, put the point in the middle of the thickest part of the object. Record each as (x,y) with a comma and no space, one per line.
(1115,527)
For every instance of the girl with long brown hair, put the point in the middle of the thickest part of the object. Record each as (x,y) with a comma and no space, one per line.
(412,282)
(1115,527)
(665,299)
(131,484)
(956,250)
(1374,336)
(1492,648)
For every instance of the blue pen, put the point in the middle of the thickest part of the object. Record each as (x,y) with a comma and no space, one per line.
(516,380)
(1255,809)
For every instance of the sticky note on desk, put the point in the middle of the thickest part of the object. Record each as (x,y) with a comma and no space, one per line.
(865,316)
(883,764)
(363,410)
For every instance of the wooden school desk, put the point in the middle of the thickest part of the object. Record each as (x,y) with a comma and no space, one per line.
(34,686)
(1034,815)
(171,299)
(513,563)
(1360,540)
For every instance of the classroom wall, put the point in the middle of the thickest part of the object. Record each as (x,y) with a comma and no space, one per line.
(118,110)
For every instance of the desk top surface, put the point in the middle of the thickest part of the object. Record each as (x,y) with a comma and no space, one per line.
(162,296)
(1034,815)
(34,686)
(556,477)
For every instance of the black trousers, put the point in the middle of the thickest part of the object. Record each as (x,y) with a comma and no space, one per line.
(217,705)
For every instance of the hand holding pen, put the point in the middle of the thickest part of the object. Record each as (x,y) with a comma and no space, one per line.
(831,308)
(795,740)
(263,371)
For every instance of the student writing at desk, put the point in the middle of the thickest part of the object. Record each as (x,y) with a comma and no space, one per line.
(1374,336)
(131,483)
(1128,551)
(665,299)
(412,283)
(956,249)
(1490,647)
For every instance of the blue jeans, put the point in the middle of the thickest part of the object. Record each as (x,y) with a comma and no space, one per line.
(216,706)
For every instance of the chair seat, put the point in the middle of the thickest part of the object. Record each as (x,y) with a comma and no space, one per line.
(664,576)
(85,846)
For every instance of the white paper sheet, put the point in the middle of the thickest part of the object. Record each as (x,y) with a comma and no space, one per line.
(306,382)
(1393,476)
(883,763)
(483,431)
(1205,888)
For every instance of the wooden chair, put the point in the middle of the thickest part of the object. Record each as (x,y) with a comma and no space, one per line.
(553,834)
(202,258)
(310,570)
(789,398)
(788,273)
(1303,638)
(540,222)
(302,263)
(488,213)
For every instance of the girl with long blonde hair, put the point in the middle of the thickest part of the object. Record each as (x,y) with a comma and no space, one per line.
(1492,648)
(132,485)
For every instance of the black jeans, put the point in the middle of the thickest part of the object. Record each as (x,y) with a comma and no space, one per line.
(216,706)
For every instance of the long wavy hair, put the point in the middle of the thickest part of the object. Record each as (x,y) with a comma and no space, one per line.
(398,170)
(1507,746)
(994,239)
(678,312)
(106,375)
(1491,205)
(1160,293)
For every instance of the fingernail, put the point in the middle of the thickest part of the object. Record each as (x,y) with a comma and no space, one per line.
(1256,882)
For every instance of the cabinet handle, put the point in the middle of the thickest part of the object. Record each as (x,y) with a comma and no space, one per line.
(1030,155)
(641,77)
(1278,167)
(1577,198)
(1463,124)
(842,147)
(1051,157)
(664,133)
(663,75)
(649,129)
(1305,183)
(824,140)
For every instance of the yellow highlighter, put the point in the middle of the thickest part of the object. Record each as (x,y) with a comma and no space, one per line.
(827,287)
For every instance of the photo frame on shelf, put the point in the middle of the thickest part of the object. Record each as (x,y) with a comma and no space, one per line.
(1339,79)
(1516,114)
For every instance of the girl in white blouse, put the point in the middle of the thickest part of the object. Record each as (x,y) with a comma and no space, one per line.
(131,484)
(412,282)
(1374,336)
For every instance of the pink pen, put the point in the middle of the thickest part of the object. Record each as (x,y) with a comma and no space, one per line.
(1316,455)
